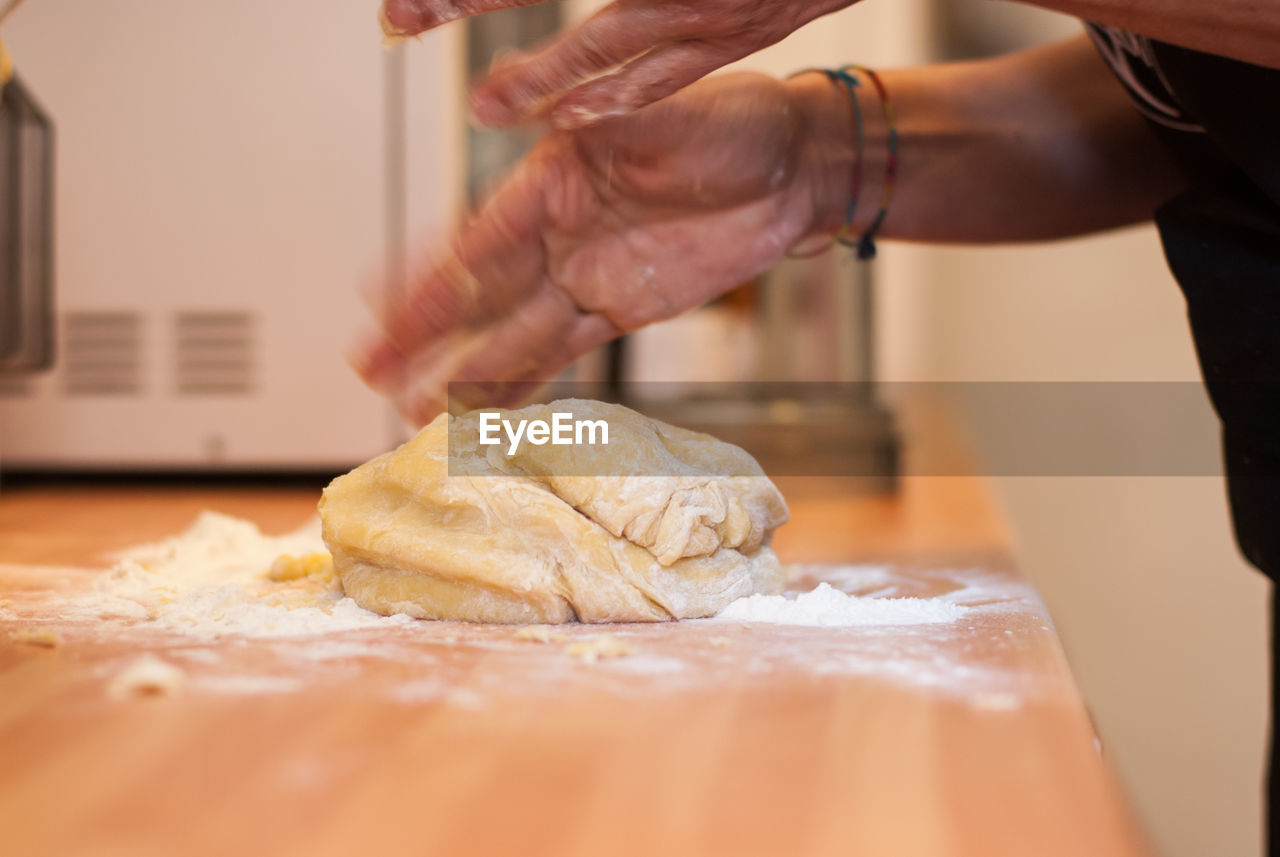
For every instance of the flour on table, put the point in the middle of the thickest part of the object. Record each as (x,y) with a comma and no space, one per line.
(223,576)
(827,606)
(222,579)
(147,676)
(249,684)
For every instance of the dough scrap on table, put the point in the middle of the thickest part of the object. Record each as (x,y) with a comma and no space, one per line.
(593,649)
(43,637)
(318,566)
(661,523)
(540,634)
(147,676)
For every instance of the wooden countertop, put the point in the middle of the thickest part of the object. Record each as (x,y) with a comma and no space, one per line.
(716,738)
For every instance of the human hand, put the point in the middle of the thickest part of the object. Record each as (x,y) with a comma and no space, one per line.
(605,229)
(629,54)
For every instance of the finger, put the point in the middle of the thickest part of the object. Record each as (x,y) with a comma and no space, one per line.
(516,88)
(652,77)
(383,296)
(588,332)
(525,349)
(494,265)
(378,363)
(402,18)
(545,336)
(425,391)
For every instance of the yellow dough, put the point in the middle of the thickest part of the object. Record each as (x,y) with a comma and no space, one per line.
(661,523)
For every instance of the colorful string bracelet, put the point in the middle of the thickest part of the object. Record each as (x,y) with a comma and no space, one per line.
(850,83)
(866,245)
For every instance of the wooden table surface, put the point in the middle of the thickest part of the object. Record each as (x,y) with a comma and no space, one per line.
(967,738)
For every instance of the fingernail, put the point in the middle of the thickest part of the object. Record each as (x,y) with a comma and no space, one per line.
(378,364)
(489,112)
(402,18)
(391,34)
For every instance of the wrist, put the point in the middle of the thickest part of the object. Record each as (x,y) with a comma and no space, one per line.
(829,151)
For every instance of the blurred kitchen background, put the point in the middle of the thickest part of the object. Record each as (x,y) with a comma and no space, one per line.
(229,177)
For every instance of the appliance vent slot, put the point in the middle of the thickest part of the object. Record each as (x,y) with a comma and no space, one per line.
(102,353)
(215,353)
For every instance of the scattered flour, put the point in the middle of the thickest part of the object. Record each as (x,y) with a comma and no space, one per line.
(147,676)
(827,606)
(214,580)
(221,577)
(435,690)
(249,684)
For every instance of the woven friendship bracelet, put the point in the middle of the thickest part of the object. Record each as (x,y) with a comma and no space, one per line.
(866,245)
(850,84)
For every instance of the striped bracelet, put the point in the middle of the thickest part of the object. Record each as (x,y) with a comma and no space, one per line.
(850,84)
(866,245)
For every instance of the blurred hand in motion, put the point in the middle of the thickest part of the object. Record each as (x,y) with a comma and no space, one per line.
(629,54)
(605,229)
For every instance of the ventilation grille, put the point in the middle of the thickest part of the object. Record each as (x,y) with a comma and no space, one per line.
(102,354)
(215,353)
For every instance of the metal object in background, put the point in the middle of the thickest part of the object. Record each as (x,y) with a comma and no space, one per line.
(26,232)
(491,152)
(797,429)
(971,29)
(816,354)
(811,405)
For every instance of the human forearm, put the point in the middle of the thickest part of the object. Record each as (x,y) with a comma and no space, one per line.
(1033,146)
(1246,30)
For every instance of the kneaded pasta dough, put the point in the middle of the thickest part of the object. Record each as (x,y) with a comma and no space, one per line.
(662,523)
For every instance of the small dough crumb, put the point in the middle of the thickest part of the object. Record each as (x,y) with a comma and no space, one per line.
(593,649)
(540,634)
(289,567)
(720,642)
(147,676)
(46,637)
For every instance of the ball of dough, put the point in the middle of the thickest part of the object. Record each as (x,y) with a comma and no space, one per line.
(661,523)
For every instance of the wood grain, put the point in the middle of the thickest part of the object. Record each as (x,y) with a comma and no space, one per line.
(715,738)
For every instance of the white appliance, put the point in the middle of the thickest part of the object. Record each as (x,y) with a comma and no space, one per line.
(229,175)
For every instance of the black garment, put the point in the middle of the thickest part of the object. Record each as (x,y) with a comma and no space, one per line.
(1221,117)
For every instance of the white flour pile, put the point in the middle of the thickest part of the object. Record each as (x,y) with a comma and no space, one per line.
(826,606)
(211,580)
